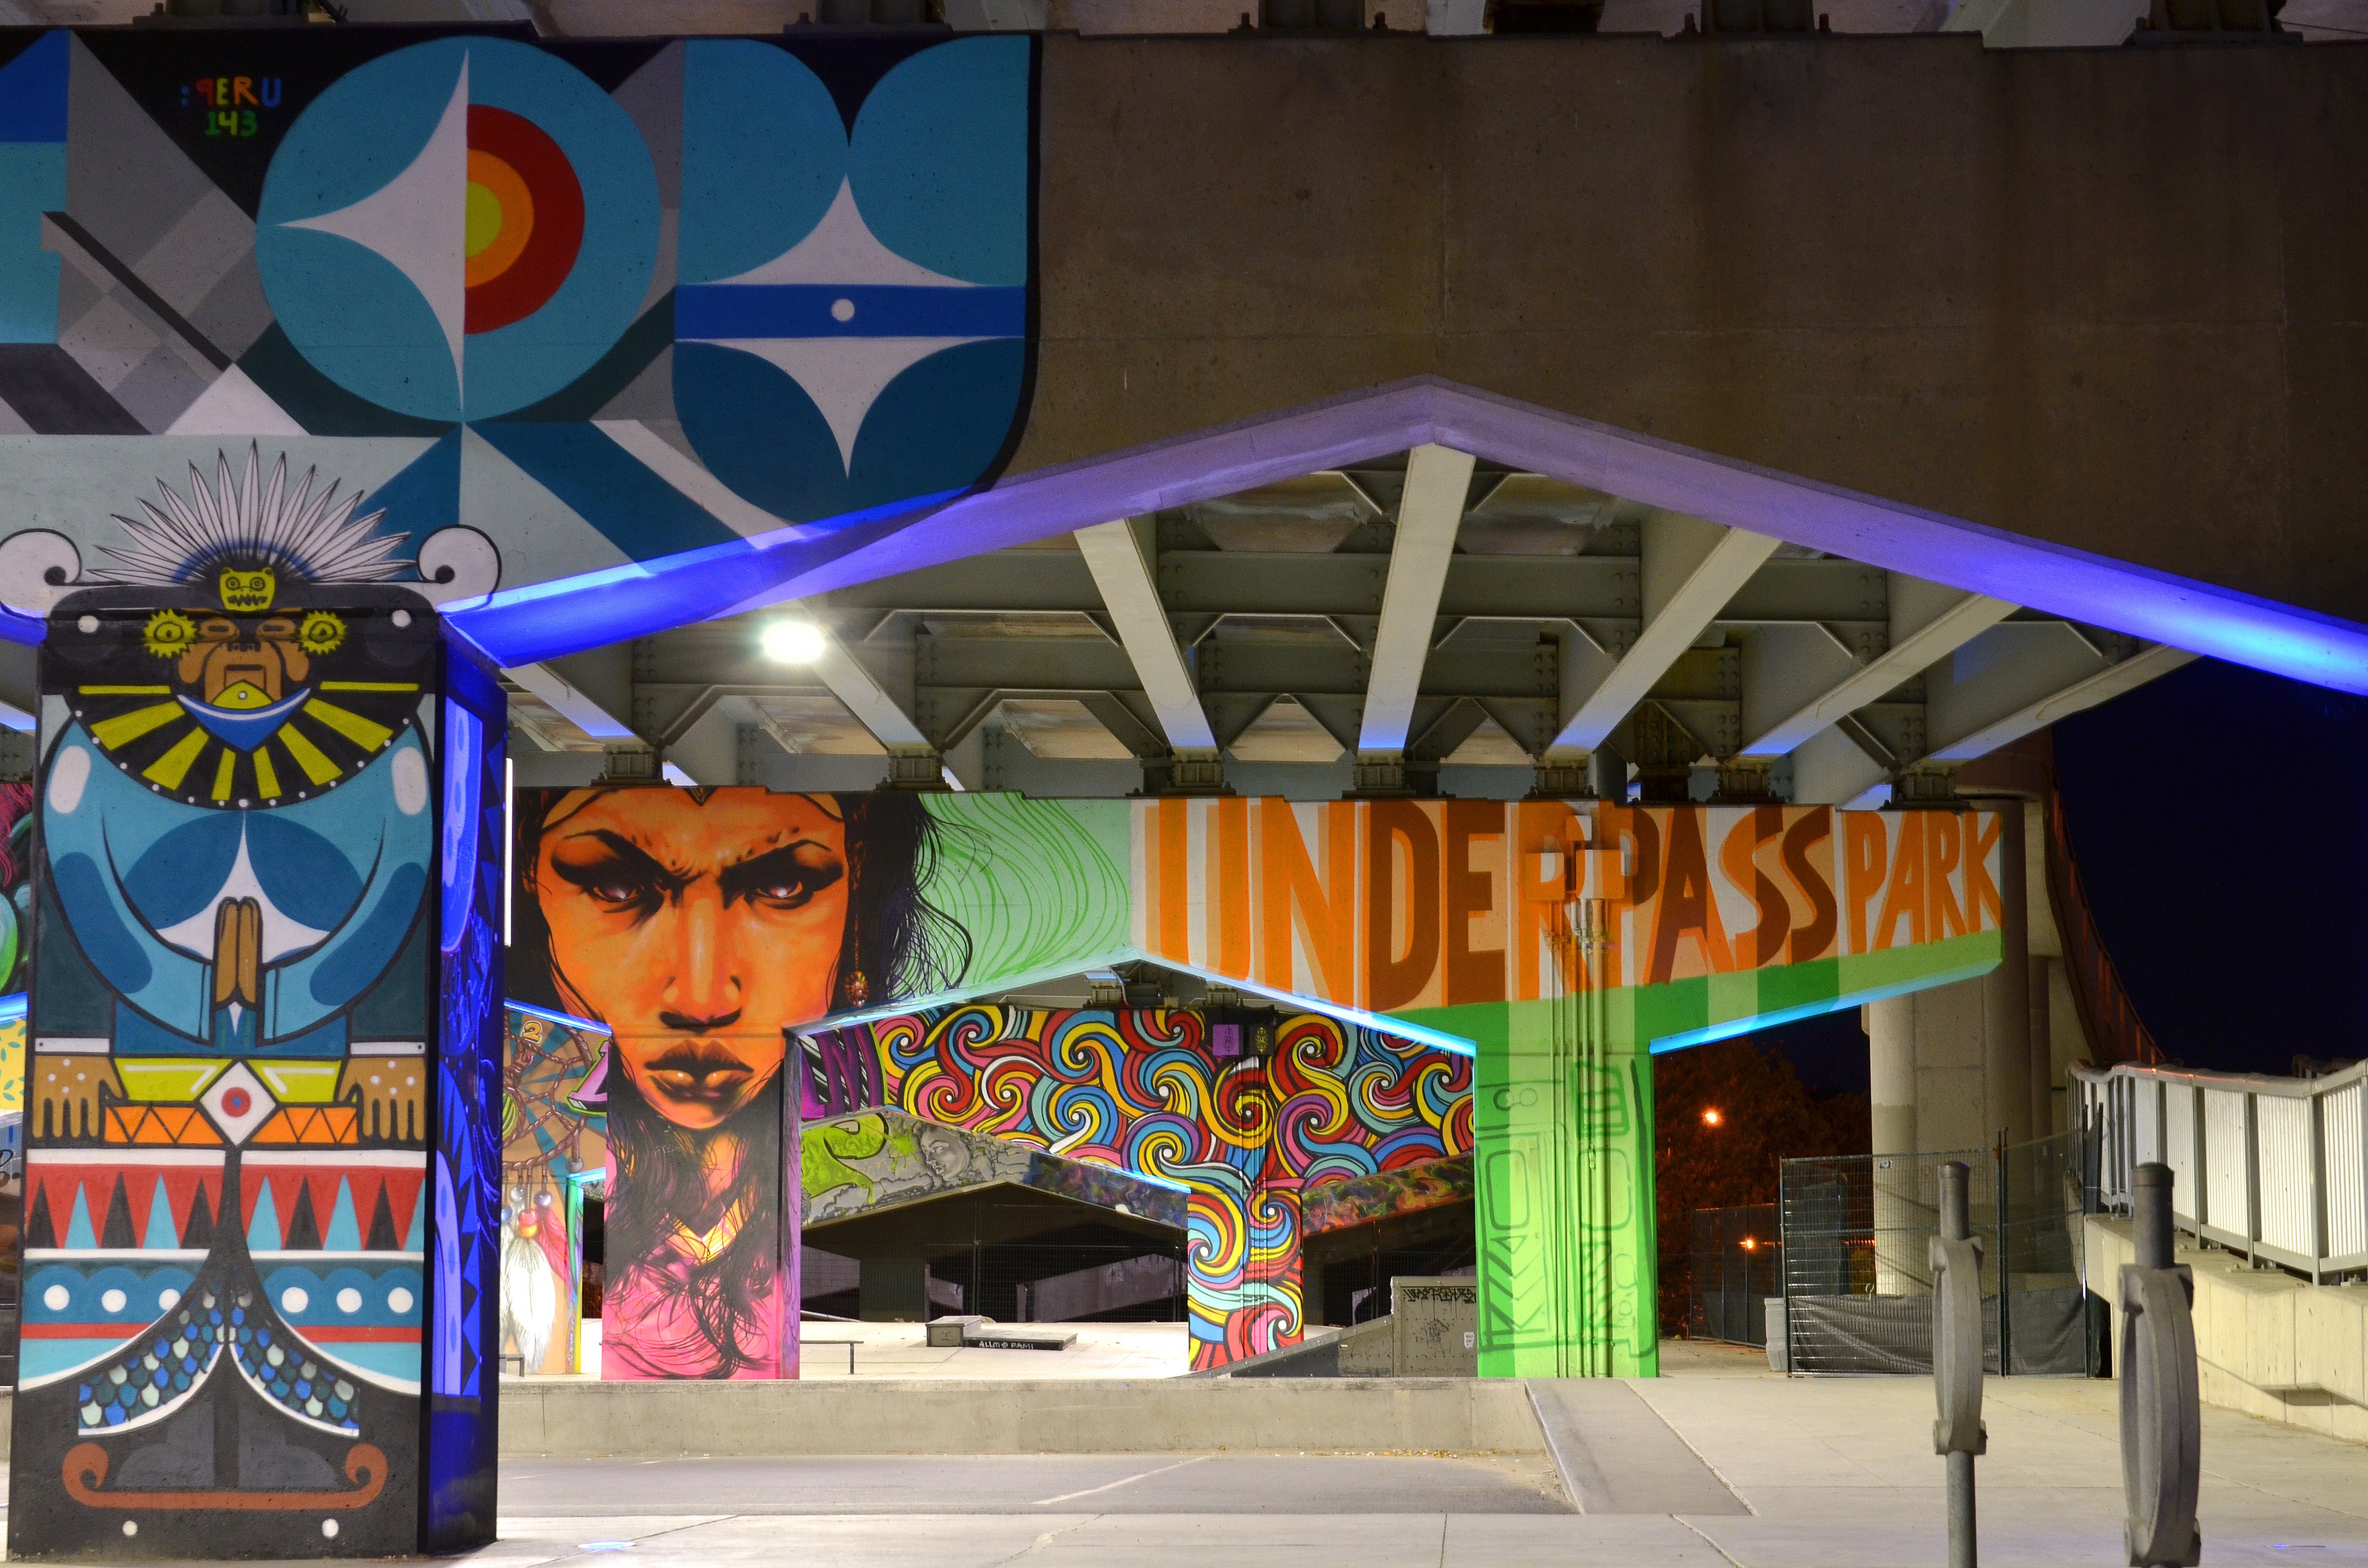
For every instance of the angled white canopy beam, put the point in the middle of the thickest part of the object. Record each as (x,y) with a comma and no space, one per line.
(1971,735)
(867,699)
(570,702)
(1936,639)
(1429,511)
(1690,569)
(1121,565)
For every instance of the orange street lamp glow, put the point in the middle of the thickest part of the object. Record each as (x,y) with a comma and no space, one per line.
(1748,1244)
(1711,1119)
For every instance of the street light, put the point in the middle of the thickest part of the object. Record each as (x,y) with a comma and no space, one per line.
(793,642)
(1712,1119)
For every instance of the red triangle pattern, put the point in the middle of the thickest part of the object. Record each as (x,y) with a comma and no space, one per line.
(286,1182)
(55,1184)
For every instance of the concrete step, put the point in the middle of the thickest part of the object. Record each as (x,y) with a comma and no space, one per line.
(884,1415)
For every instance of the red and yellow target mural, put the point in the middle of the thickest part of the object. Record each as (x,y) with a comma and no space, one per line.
(525,217)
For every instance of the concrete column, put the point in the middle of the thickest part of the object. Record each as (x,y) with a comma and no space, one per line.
(1891,1090)
(1891,1072)
(2006,990)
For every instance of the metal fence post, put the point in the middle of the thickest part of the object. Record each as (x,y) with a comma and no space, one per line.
(1784,1265)
(2004,1261)
(1957,1434)
(2162,1406)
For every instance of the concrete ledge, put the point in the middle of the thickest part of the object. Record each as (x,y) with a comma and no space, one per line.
(2265,1343)
(882,1415)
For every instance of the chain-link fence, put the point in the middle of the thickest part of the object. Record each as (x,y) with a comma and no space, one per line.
(1732,1272)
(1857,1279)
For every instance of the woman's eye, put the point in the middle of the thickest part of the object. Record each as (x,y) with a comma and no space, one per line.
(791,890)
(611,882)
(785,880)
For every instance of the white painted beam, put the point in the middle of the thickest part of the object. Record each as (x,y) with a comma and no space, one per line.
(1116,555)
(866,698)
(1942,635)
(2160,659)
(1831,770)
(570,702)
(1430,509)
(1690,569)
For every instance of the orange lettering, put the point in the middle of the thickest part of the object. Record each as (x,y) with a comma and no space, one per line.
(1474,975)
(1293,900)
(1904,898)
(1981,889)
(1942,843)
(1764,943)
(1867,850)
(1228,892)
(1687,903)
(1392,981)
(1813,874)
(1175,880)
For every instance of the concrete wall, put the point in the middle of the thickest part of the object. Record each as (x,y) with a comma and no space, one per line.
(2105,297)
(2269,1343)
(877,1416)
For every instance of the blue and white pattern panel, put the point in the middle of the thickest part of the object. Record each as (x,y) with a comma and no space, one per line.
(656,320)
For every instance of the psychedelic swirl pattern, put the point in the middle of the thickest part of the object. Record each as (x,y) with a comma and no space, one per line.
(1142,1091)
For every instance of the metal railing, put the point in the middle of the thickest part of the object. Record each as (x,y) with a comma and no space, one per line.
(2272,1167)
(1732,1270)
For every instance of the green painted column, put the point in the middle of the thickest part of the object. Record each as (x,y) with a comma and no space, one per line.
(1562,1130)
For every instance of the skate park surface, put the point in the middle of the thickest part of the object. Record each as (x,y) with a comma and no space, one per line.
(1718,1462)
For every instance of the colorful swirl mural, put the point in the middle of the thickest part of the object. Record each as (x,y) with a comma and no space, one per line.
(1248,1137)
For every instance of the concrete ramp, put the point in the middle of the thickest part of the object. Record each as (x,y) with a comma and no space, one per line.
(1616,1454)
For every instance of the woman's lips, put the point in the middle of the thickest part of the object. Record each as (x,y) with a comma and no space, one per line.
(702,1071)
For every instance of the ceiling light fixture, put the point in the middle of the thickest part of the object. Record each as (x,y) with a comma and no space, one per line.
(793,642)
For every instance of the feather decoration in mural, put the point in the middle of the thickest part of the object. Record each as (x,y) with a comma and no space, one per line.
(250,525)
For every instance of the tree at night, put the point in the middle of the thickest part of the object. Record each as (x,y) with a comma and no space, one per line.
(1726,1114)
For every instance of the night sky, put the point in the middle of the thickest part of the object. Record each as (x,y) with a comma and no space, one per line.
(2216,817)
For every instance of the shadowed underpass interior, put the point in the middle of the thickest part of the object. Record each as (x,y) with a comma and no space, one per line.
(1108,1484)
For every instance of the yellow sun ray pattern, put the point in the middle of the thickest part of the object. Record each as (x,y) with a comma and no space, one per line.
(352,725)
(174,765)
(125,727)
(318,767)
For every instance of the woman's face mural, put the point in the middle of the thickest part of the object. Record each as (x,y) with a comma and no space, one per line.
(696,930)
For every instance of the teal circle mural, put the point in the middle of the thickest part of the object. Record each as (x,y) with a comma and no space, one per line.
(459,230)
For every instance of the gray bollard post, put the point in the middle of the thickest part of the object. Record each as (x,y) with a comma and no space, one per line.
(1958,1434)
(2162,1404)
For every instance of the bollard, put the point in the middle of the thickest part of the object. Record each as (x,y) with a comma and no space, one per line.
(1958,1434)
(2162,1404)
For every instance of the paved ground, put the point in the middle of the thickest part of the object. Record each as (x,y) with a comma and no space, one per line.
(1032,1483)
(1824,1473)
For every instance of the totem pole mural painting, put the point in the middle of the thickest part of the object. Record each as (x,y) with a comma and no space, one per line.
(250,1209)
